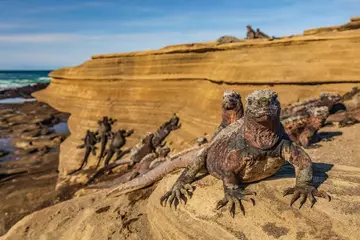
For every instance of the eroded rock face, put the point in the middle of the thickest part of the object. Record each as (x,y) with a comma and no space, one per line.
(143,89)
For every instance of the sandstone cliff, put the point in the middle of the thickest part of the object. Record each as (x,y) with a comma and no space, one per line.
(143,89)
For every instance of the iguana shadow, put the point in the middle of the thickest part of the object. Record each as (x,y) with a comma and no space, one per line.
(287,171)
(319,172)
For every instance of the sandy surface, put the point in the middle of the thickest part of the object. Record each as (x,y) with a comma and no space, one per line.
(343,147)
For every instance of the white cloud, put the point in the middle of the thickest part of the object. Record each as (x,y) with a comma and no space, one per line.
(6,26)
(100,38)
(37,38)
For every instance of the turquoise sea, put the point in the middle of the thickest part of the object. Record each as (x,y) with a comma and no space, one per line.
(18,78)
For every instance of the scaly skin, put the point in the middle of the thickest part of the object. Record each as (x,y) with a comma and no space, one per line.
(303,129)
(104,131)
(302,120)
(249,152)
(89,144)
(304,107)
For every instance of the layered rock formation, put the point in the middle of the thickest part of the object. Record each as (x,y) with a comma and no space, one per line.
(353,24)
(143,89)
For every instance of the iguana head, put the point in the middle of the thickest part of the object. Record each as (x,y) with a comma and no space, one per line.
(262,105)
(163,152)
(231,100)
(121,131)
(174,120)
(330,98)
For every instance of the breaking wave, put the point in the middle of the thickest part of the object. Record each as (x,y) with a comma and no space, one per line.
(16,79)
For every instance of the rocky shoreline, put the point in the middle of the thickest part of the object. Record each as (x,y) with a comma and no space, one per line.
(24,92)
(30,135)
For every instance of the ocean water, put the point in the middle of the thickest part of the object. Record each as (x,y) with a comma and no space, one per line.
(15,79)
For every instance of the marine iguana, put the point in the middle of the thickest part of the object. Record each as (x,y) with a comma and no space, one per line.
(251,149)
(304,107)
(104,131)
(232,110)
(117,142)
(259,34)
(147,145)
(89,144)
(250,34)
(151,141)
(303,129)
(164,130)
(302,120)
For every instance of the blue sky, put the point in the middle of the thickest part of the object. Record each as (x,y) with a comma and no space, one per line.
(47,34)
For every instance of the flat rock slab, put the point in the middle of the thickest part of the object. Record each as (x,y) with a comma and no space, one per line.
(271,218)
(96,217)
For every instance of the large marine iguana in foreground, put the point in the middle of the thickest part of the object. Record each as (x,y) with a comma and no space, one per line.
(248,150)
(251,149)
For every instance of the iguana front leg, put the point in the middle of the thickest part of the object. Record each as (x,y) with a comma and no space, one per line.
(182,189)
(233,190)
(176,127)
(304,187)
(129,133)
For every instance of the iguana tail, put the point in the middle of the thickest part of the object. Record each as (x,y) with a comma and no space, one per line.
(84,162)
(180,160)
(103,145)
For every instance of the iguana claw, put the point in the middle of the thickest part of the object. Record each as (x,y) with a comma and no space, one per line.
(305,192)
(179,191)
(234,197)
